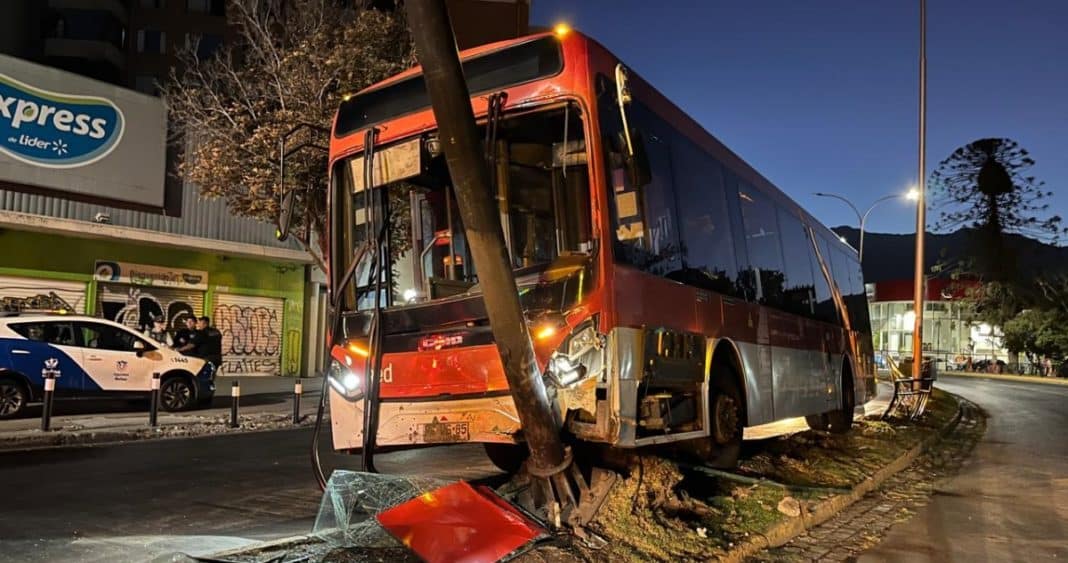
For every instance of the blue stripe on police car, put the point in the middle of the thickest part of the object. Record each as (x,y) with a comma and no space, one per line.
(55,130)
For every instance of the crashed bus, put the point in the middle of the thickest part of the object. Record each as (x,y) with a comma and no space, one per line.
(672,294)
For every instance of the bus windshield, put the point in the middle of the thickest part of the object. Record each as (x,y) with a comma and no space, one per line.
(541,182)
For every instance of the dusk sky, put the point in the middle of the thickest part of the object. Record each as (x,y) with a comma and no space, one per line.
(821,95)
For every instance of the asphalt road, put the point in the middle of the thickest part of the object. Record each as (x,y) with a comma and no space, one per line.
(139,501)
(1010,501)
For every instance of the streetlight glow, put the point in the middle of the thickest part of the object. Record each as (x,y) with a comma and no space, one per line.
(561,29)
(913,194)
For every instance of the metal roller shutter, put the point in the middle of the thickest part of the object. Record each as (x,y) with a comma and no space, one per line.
(252,333)
(134,305)
(34,295)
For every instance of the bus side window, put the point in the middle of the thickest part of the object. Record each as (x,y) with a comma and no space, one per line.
(825,308)
(644,217)
(824,304)
(763,239)
(707,241)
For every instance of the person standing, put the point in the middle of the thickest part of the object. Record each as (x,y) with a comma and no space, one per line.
(187,339)
(210,347)
(158,331)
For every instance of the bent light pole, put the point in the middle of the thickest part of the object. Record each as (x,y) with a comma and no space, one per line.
(435,47)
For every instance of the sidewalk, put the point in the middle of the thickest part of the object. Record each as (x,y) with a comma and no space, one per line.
(1009,377)
(266,404)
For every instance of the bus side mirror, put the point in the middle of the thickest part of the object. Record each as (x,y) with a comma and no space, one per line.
(285,216)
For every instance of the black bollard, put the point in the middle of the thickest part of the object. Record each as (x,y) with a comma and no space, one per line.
(46,408)
(298,389)
(235,396)
(153,405)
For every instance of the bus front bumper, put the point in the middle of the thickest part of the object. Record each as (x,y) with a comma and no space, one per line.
(409,423)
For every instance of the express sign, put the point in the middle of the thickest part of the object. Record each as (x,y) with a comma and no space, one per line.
(56,130)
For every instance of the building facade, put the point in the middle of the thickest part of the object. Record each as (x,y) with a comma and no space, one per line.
(90,221)
(947,334)
(82,228)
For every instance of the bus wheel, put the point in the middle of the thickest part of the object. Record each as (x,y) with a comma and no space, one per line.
(726,415)
(841,420)
(507,457)
(818,421)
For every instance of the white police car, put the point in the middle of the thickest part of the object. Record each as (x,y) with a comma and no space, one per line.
(91,357)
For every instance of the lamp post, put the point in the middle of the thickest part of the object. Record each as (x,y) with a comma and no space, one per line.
(912,194)
(921,206)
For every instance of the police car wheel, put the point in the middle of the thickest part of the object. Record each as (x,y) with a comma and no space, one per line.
(175,394)
(13,398)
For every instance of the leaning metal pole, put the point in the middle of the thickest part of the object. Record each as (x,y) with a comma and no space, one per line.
(436,50)
(921,206)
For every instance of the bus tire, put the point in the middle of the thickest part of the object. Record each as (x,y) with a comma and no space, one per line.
(726,418)
(819,422)
(507,457)
(840,421)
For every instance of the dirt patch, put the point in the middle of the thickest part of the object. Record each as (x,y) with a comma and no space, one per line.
(820,459)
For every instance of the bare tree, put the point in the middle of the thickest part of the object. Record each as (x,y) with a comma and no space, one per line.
(291,62)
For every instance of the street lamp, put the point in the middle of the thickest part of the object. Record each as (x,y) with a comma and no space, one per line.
(912,195)
(921,205)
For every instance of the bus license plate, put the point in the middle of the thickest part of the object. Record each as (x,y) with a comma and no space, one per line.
(439,432)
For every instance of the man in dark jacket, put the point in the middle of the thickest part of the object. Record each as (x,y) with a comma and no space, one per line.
(209,346)
(185,339)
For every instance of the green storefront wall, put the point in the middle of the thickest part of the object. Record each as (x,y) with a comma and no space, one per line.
(46,256)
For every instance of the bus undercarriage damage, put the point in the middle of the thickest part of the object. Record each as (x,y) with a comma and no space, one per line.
(441,379)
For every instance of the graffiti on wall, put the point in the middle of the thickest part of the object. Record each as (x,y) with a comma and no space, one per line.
(251,342)
(138,307)
(50,302)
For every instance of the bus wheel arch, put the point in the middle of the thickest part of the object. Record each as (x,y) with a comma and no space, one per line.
(727,407)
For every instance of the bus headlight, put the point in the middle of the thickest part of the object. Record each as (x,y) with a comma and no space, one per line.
(563,371)
(579,356)
(344,381)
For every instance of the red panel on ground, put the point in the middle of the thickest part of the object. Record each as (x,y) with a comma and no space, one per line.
(457,523)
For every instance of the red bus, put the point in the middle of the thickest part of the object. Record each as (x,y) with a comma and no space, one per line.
(672,293)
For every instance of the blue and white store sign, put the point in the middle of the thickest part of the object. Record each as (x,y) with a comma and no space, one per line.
(74,135)
(54,129)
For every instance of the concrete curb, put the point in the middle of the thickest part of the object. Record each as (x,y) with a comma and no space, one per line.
(1003,377)
(260,546)
(787,530)
(89,438)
